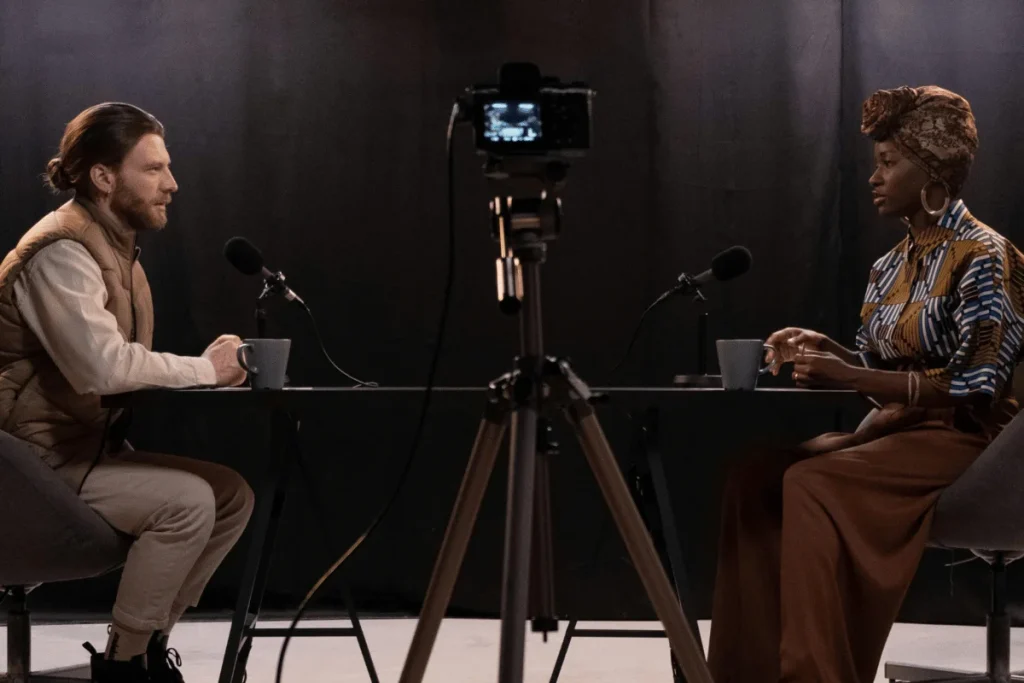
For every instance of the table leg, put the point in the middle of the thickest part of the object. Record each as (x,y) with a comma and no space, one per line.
(269,505)
(663,526)
(364,649)
(562,651)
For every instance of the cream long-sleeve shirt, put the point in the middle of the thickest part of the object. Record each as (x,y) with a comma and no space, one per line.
(61,296)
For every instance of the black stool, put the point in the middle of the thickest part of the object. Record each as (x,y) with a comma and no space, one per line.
(47,534)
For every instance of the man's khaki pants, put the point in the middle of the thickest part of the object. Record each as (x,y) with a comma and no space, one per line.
(185,516)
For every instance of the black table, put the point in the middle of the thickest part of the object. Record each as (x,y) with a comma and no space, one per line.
(651,492)
(298,397)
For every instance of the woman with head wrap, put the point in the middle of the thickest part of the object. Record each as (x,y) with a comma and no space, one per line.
(819,543)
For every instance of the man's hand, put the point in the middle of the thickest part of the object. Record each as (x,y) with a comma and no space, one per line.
(223,354)
(822,370)
(789,341)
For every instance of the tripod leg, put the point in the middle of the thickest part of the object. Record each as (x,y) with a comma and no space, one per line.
(542,581)
(515,585)
(638,542)
(456,538)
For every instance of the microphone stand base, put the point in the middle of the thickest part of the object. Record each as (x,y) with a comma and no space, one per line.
(698,381)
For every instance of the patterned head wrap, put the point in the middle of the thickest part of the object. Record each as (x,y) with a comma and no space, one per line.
(932,126)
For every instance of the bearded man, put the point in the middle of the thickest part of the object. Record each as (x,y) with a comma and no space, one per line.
(76,323)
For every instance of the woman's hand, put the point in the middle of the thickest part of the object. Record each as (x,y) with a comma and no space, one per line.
(822,370)
(788,341)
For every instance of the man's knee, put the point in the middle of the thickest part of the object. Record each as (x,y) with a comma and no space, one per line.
(192,506)
(234,495)
(244,495)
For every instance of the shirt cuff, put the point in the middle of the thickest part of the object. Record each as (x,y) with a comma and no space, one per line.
(206,374)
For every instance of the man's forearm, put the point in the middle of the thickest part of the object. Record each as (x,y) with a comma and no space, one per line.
(130,367)
(61,296)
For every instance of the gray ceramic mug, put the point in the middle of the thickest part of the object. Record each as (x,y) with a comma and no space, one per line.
(266,361)
(740,362)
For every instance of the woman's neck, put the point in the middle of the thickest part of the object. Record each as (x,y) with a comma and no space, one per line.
(920,221)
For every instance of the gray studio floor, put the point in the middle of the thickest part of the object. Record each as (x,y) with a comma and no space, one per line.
(467,652)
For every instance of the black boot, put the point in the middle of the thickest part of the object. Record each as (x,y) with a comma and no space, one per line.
(163,661)
(108,671)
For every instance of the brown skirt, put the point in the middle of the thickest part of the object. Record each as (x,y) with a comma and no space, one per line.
(819,544)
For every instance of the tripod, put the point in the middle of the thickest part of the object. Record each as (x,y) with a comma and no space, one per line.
(538,389)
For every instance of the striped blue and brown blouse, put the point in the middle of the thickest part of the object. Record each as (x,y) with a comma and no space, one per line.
(948,299)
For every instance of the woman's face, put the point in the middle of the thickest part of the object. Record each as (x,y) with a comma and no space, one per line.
(896,183)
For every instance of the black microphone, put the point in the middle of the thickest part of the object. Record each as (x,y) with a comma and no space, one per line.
(726,265)
(249,261)
(729,264)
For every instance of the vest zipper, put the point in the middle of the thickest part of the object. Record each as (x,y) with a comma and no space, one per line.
(110,423)
(131,287)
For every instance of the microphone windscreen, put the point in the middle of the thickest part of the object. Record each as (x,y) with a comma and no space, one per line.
(731,263)
(243,255)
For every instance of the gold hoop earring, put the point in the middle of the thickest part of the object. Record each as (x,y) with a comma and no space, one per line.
(924,200)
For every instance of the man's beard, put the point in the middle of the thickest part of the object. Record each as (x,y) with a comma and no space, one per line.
(134,210)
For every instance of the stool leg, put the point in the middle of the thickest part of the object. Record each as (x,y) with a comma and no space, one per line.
(19,628)
(998,626)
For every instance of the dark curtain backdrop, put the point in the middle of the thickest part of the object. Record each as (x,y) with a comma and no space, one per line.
(316,129)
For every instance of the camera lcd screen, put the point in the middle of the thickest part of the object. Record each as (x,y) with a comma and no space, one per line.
(511,122)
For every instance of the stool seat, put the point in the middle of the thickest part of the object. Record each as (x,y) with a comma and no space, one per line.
(984,508)
(982,511)
(46,532)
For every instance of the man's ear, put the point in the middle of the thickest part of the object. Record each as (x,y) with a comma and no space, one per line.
(103,178)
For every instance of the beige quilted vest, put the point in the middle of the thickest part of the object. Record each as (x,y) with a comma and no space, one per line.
(36,403)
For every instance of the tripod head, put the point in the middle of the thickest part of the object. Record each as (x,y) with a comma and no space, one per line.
(526,214)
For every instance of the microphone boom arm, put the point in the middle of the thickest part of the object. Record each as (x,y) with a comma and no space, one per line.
(688,285)
(273,285)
